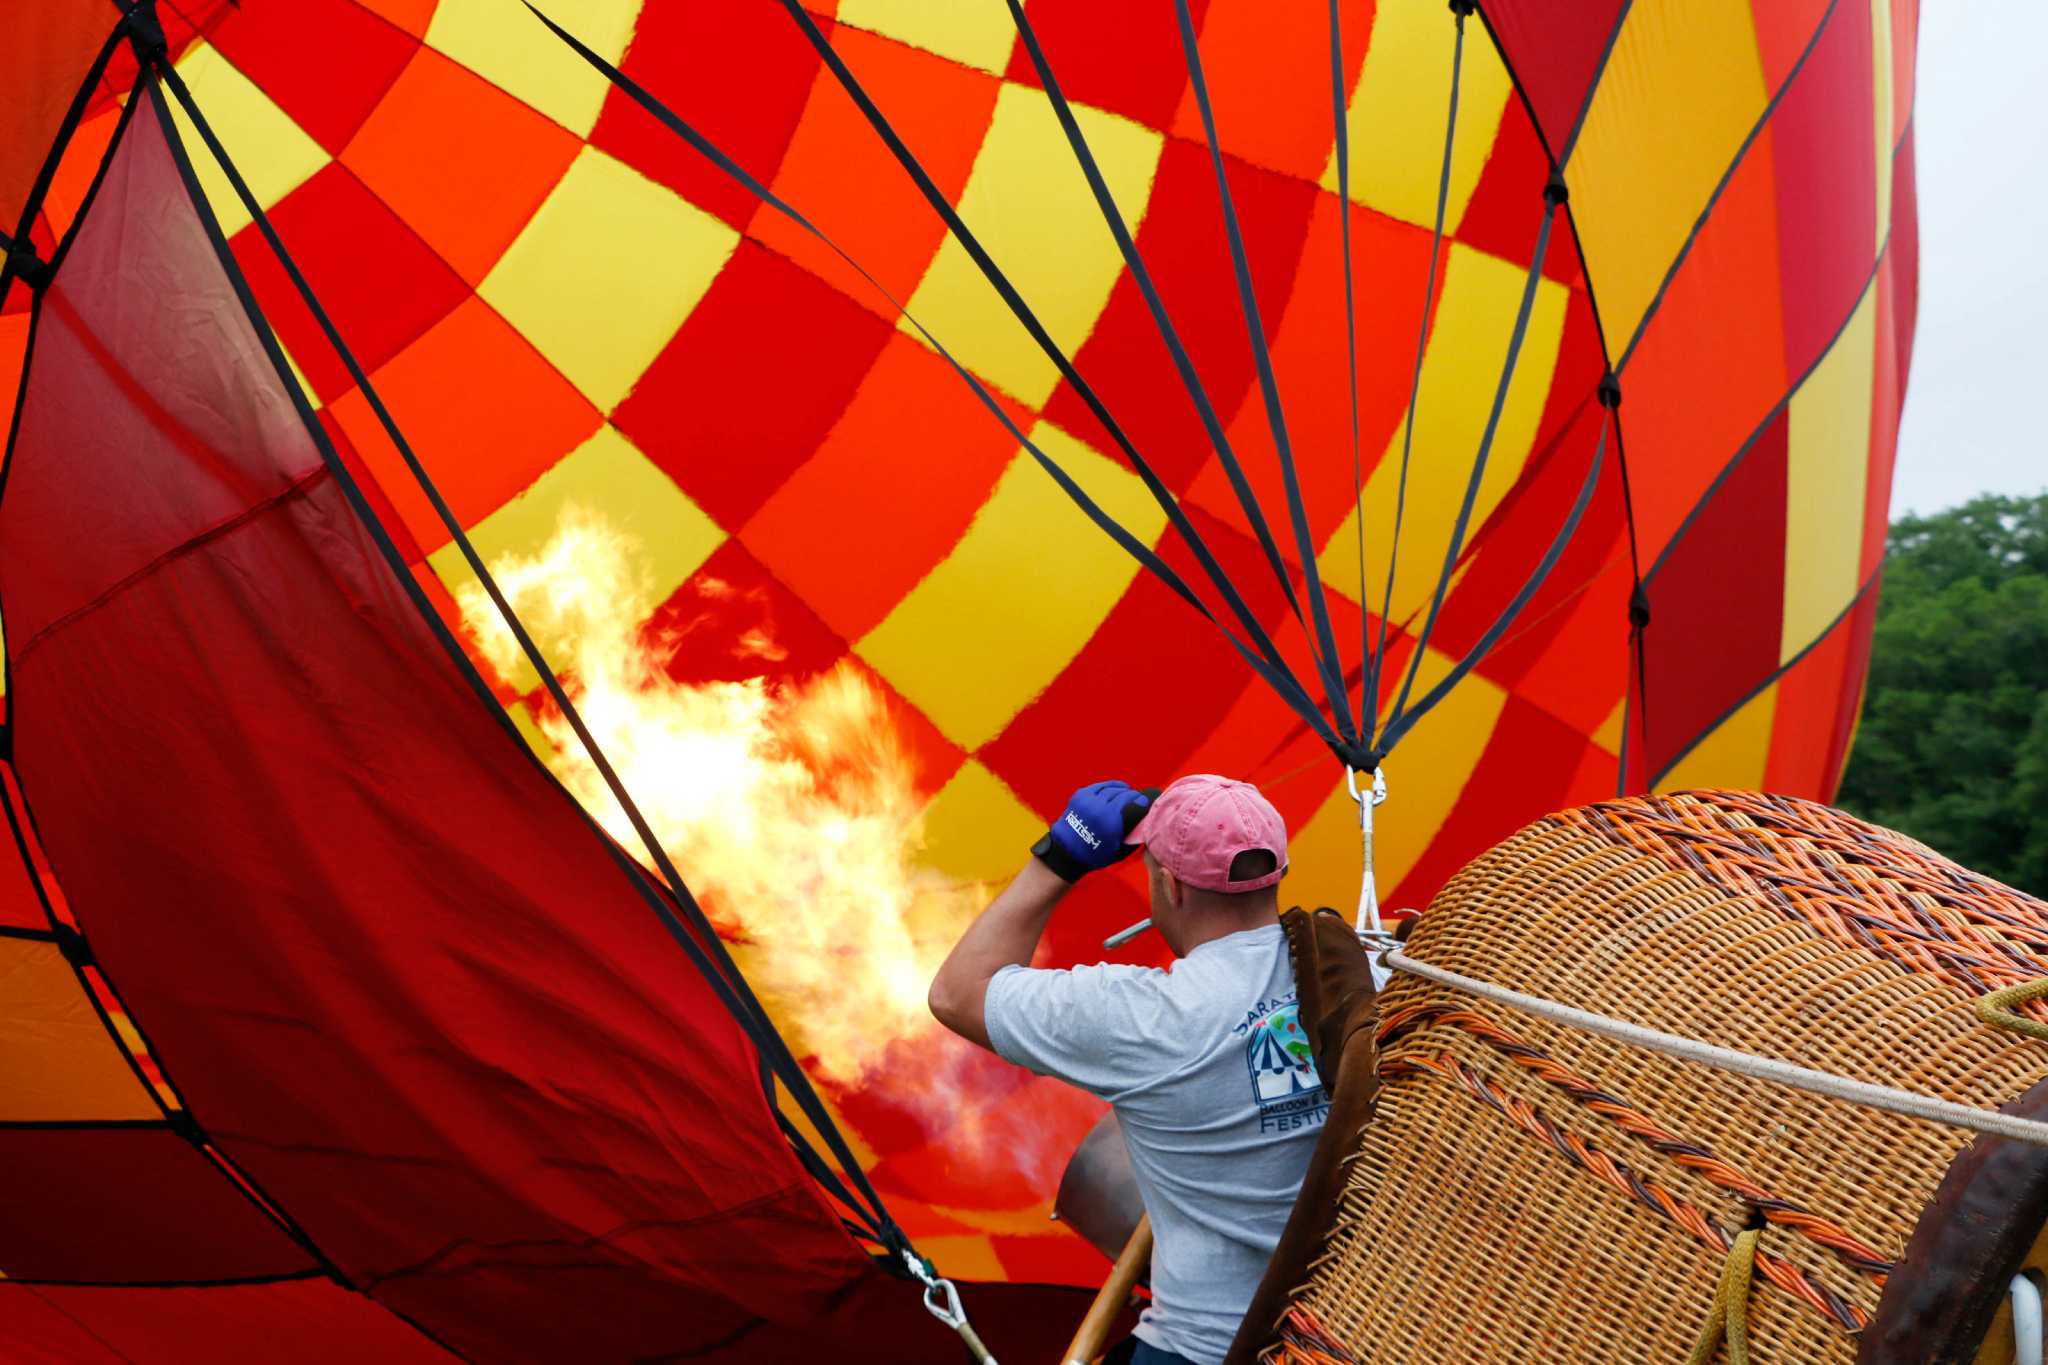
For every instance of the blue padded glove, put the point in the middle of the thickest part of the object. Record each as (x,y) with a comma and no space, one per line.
(1089,835)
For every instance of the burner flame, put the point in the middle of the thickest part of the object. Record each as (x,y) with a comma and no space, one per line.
(791,809)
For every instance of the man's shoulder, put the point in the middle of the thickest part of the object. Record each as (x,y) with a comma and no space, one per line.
(1089,971)
(1109,978)
(1208,980)
(1245,954)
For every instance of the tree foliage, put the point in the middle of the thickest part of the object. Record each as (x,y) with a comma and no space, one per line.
(1953,747)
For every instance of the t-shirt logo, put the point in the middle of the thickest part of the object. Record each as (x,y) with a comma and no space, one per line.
(1285,1087)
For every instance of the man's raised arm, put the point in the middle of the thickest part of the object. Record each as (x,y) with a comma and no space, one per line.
(1089,835)
(1005,933)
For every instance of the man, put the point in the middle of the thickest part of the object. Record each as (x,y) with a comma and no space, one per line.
(1207,1063)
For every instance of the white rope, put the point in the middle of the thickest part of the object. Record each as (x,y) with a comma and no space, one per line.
(1923,1107)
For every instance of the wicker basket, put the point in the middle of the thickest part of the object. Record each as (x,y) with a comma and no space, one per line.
(1529,1192)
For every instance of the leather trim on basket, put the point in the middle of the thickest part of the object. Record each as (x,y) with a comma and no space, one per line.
(1333,980)
(1971,1239)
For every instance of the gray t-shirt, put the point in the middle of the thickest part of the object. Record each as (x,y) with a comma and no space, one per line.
(1209,1069)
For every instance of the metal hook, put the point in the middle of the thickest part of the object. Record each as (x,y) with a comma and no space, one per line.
(950,1314)
(1368,891)
(942,1301)
(1379,786)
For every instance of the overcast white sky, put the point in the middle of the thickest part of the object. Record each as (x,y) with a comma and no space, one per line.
(1976,416)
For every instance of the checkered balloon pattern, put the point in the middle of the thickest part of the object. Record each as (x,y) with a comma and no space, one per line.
(563,305)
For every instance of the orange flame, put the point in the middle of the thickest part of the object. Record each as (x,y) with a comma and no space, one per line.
(791,810)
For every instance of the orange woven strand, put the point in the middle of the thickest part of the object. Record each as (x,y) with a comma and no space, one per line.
(1825,1232)
(1303,1341)
(1808,862)
(1627,1182)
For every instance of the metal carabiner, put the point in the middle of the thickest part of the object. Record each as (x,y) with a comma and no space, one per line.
(1379,786)
(942,1301)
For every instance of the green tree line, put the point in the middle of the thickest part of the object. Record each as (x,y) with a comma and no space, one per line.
(1953,746)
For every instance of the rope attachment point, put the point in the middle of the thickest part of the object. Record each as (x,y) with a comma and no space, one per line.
(942,1301)
(145,32)
(1638,607)
(1368,890)
(1371,930)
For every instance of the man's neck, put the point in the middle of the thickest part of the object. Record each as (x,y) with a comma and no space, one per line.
(1209,926)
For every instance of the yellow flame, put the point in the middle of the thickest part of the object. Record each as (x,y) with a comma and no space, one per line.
(791,810)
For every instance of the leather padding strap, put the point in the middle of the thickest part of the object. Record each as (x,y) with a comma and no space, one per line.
(1972,1238)
(1333,983)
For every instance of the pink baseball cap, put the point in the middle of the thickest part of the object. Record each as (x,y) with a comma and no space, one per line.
(1200,823)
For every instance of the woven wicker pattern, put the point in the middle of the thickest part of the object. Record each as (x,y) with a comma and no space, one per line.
(1528,1192)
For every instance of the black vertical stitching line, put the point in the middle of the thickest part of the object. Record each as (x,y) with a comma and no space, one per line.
(1370,701)
(1472,484)
(1727,177)
(1521,599)
(1741,453)
(1342,121)
(39,188)
(1127,247)
(1571,141)
(1771,680)
(1291,690)
(1770,416)
(708,954)
(92,194)
(1507,62)
(1262,357)
(1638,606)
